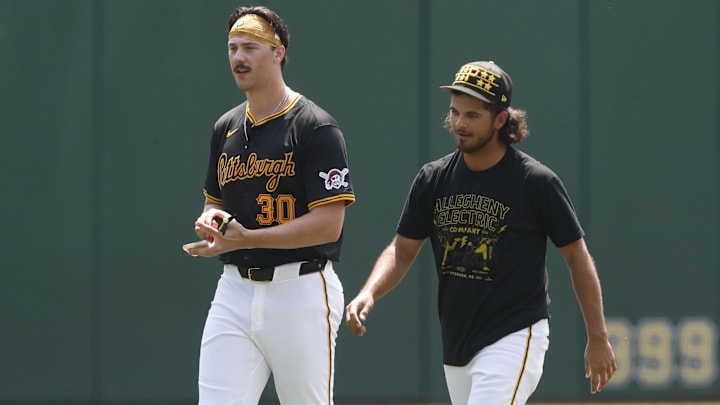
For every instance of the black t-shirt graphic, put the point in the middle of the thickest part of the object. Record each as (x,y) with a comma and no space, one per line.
(488,231)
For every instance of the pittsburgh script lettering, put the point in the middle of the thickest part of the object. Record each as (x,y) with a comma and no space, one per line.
(233,168)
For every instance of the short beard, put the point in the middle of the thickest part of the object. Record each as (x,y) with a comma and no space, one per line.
(472,148)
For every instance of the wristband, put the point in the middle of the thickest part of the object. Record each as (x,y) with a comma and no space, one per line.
(223,222)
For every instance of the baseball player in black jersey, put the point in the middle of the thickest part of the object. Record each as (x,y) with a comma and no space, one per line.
(276,190)
(488,210)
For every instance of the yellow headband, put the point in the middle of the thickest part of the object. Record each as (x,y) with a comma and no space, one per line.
(256,28)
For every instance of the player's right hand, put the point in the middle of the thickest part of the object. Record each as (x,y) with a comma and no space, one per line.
(356,312)
(207,218)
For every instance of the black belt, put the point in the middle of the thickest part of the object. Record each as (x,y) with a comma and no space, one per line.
(266,273)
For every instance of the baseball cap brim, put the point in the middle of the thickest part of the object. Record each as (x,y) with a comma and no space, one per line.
(467,91)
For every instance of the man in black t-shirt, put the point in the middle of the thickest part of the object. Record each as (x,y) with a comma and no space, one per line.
(488,210)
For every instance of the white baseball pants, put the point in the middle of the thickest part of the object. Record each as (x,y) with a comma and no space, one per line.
(287,328)
(503,373)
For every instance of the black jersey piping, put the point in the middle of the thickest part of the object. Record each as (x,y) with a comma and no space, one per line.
(329,339)
(524,364)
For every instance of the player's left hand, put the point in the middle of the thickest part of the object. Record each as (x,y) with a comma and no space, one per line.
(356,312)
(599,363)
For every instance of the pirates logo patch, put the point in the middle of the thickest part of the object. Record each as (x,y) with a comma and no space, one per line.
(335,178)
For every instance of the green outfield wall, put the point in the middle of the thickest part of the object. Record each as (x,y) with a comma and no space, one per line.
(107,106)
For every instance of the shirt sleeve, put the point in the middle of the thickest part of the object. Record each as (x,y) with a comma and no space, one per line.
(557,212)
(211,189)
(325,167)
(416,218)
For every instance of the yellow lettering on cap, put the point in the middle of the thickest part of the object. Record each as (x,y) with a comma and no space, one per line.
(478,78)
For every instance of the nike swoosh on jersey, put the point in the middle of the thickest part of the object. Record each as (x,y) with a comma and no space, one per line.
(230,133)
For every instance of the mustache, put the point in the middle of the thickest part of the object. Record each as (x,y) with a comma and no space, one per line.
(240,67)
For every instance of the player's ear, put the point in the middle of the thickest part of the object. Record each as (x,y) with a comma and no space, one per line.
(279,53)
(501,119)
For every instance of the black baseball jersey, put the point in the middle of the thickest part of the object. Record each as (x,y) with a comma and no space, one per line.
(488,231)
(270,172)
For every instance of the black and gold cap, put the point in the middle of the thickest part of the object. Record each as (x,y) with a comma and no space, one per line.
(483,80)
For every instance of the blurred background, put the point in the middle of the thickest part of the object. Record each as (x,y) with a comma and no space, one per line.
(107,107)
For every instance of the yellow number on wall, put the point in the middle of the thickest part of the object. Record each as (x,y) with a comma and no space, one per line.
(620,335)
(697,351)
(654,352)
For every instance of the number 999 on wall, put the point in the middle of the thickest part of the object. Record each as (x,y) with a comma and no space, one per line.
(655,352)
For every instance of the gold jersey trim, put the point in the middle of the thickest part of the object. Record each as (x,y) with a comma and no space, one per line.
(289,107)
(211,199)
(347,197)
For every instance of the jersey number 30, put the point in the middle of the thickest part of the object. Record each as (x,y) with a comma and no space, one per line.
(275,210)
